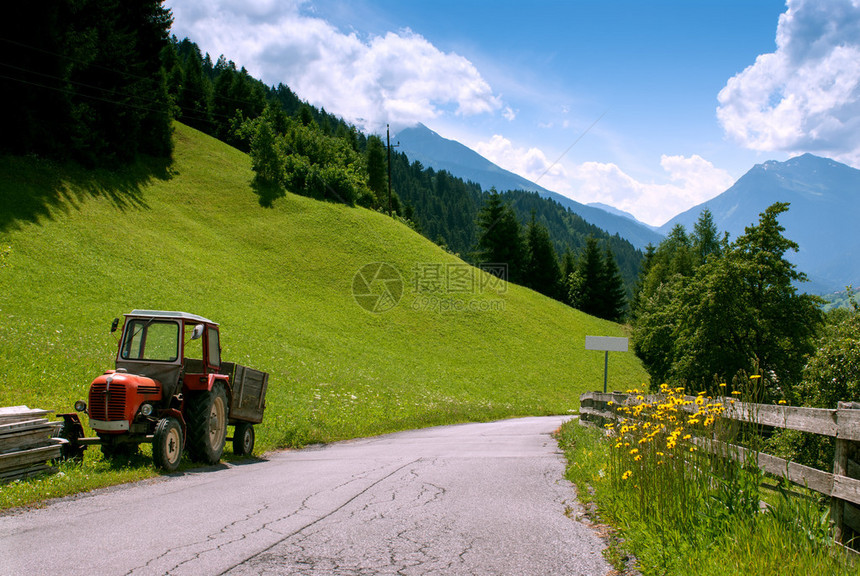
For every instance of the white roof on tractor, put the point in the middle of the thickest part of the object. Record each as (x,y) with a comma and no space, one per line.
(171,315)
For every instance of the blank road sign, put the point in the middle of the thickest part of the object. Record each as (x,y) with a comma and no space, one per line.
(607,343)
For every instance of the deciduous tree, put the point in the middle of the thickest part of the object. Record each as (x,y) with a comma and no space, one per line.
(740,311)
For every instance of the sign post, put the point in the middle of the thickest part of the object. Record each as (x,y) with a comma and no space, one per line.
(607,344)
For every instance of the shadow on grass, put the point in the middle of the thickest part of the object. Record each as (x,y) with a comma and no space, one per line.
(34,189)
(267,192)
(125,461)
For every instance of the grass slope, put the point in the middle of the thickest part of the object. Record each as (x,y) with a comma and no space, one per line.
(84,247)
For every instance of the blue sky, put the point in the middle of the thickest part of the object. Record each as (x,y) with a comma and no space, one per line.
(652,107)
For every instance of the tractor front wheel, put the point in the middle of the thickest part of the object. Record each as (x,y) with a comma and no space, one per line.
(167,444)
(207,424)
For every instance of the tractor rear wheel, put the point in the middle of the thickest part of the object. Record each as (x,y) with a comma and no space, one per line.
(206,417)
(243,439)
(167,444)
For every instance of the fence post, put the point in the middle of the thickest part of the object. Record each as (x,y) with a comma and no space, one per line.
(584,403)
(840,467)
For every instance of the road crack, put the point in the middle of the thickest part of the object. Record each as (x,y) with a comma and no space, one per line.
(320,518)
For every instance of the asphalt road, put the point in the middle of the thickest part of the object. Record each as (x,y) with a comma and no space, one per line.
(469,499)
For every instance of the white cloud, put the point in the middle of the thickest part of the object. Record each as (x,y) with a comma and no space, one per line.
(805,97)
(530,163)
(399,78)
(691,180)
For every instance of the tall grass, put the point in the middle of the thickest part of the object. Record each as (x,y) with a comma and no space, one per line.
(685,509)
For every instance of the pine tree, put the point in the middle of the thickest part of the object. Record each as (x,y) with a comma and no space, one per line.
(612,296)
(706,242)
(195,96)
(499,239)
(638,291)
(542,272)
(590,278)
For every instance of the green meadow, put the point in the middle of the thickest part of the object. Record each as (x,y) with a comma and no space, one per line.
(79,248)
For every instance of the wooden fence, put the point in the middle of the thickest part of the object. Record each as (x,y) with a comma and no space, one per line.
(842,486)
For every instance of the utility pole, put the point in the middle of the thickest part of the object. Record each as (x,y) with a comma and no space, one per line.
(388,139)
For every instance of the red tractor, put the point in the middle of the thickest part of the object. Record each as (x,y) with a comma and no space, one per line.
(170,388)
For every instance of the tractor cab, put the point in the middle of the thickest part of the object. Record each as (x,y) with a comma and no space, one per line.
(176,349)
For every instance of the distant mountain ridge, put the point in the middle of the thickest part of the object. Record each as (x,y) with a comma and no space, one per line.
(432,150)
(822,218)
(622,213)
(824,197)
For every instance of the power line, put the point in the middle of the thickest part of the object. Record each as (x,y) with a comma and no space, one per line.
(563,154)
(70,58)
(82,95)
(129,74)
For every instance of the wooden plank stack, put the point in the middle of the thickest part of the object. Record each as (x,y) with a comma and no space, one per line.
(26,442)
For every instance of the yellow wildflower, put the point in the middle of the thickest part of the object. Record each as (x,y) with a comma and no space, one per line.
(627,475)
(781,402)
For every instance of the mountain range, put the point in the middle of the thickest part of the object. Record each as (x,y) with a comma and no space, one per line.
(824,197)
(432,150)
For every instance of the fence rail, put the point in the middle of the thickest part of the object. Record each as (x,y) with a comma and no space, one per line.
(842,486)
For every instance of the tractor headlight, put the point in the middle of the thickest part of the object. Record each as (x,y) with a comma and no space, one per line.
(146,409)
(80,406)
